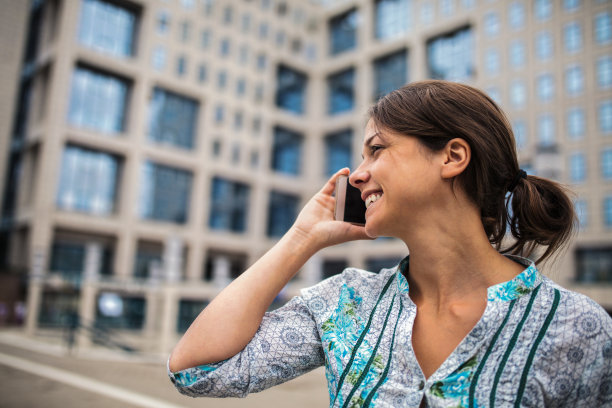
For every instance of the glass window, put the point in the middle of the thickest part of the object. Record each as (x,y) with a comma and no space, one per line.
(341,97)
(173,119)
(181,66)
(575,123)
(546,130)
(163,22)
(518,94)
(202,73)
(520,134)
(571,5)
(494,93)
(165,193)
(331,267)
(390,73)
(229,205)
(241,87)
(572,37)
(607,208)
(518,54)
(98,101)
(88,181)
(603,28)
(543,9)
(221,79)
(392,18)
(187,313)
(261,62)
(581,209)
(604,72)
(158,59)
(516,15)
(219,113)
(545,87)
(447,7)
(451,56)
(427,13)
(107,27)
(246,23)
(67,259)
(468,5)
(287,151)
(147,256)
(606,164)
(574,80)
(228,14)
(595,264)
(290,89)
(205,39)
(224,47)
(188,4)
(343,32)
(185,31)
(492,61)
(263,30)
(605,116)
(132,314)
(544,45)
(577,167)
(282,211)
(338,151)
(491,24)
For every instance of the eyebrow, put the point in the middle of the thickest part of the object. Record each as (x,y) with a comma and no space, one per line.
(369,140)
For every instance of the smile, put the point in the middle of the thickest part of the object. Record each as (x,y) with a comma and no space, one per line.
(372,198)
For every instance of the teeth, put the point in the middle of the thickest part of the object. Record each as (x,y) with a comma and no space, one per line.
(371,199)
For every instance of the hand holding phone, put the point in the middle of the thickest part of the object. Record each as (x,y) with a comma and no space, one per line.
(349,205)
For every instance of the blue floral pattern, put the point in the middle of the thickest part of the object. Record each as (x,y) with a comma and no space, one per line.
(521,285)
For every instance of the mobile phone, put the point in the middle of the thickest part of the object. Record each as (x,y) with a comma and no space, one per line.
(349,205)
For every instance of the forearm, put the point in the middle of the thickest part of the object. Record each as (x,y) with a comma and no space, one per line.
(226,326)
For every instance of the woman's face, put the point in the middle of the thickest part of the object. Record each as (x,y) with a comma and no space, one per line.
(398,178)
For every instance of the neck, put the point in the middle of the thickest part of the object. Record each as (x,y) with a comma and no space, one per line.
(452,261)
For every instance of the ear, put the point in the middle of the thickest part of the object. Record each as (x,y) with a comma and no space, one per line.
(457,155)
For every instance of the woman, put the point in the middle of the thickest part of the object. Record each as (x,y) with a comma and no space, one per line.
(457,323)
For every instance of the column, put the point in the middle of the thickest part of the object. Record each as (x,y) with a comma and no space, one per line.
(87,300)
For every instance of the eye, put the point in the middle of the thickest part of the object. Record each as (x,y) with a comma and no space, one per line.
(375,148)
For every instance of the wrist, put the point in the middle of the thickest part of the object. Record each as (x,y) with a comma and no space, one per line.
(302,241)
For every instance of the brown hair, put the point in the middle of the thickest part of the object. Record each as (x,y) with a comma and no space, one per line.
(538,211)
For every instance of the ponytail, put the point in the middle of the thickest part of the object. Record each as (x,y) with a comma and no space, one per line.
(542,214)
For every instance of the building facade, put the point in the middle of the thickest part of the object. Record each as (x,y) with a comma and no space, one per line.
(159,147)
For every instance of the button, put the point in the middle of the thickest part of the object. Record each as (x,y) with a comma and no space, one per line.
(421,385)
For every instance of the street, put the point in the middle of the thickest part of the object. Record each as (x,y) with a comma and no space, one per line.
(35,374)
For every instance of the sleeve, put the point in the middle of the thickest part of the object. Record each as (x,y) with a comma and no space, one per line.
(286,345)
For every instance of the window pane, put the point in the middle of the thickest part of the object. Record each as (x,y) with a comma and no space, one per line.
(574,80)
(605,116)
(287,151)
(595,264)
(603,28)
(518,94)
(165,193)
(229,205)
(572,37)
(544,45)
(491,24)
(97,101)
(290,89)
(516,15)
(187,313)
(341,96)
(107,27)
(545,87)
(543,9)
(282,210)
(606,164)
(546,130)
(338,149)
(575,123)
(88,181)
(451,56)
(577,167)
(343,32)
(393,18)
(604,72)
(580,206)
(172,119)
(390,73)
(132,314)
(517,54)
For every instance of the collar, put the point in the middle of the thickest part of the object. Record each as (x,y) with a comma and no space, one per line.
(520,285)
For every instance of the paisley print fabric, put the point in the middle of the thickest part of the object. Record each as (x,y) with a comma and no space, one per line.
(536,345)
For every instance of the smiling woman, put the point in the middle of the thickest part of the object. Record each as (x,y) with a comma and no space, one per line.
(461,322)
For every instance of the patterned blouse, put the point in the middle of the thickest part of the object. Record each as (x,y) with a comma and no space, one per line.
(536,345)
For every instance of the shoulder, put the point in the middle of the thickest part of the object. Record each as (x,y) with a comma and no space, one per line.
(352,282)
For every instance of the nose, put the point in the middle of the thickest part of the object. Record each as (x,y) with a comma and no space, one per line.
(359,176)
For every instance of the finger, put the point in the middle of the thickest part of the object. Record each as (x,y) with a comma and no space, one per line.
(329,187)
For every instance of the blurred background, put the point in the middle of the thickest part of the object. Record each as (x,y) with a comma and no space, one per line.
(152,149)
